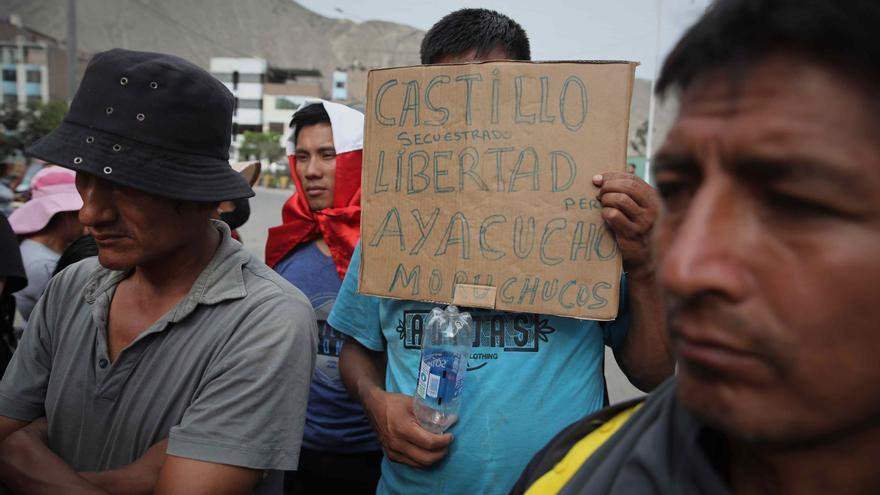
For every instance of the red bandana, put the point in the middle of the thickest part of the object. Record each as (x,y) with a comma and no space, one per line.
(339,225)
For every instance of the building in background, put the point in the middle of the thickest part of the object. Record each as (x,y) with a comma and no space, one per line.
(265,96)
(340,85)
(284,92)
(350,85)
(33,66)
(245,78)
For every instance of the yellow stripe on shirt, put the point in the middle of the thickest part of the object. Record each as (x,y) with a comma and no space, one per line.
(553,480)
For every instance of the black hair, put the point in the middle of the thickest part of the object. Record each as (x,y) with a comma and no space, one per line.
(56,220)
(735,34)
(480,29)
(312,114)
(237,217)
(80,249)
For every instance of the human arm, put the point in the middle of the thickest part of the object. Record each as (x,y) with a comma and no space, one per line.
(391,414)
(28,465)
(8,426)
(184,476)
(630,207)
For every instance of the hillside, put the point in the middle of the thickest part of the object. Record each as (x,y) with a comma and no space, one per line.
(280,31)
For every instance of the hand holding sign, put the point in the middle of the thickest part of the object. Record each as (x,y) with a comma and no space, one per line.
(629,207)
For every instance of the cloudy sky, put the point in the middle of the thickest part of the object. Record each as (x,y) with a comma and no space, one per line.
(558,29)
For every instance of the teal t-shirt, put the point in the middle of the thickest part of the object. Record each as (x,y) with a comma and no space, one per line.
(528,377)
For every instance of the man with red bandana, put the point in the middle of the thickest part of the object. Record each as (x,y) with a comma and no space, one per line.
(312,250)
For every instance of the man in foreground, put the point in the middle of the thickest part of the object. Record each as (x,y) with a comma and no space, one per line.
(513,401)
(767,250)
(175,362)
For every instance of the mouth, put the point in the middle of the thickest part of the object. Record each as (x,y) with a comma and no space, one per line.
(108,239)
(313,191)
(716,357)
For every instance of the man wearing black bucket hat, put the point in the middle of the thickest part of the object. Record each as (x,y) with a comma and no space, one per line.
(175,334)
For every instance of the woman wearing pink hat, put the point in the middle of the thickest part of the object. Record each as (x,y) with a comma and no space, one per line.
(47,224)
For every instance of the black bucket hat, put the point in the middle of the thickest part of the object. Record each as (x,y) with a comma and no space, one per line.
(152,122)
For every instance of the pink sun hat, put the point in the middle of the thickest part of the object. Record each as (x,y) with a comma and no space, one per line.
(53,190)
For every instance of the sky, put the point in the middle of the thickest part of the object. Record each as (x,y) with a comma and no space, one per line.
(557,29)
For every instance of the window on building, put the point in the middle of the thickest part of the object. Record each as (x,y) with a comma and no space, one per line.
(243,103)
(10,100)
(9,74)
(223,77)
(34,100)
(276,127)
(287,103)
(34,76)
(7,55)
(340,84)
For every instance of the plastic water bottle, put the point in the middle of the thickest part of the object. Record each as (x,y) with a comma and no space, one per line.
(446,342)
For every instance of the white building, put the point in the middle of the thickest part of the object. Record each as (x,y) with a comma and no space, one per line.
(284,94)
(24,65)
(245,78)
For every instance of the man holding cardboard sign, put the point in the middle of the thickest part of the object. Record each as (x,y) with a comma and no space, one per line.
(477,190)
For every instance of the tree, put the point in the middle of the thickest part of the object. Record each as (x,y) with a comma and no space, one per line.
(261,145)
(20,128)
(41,119)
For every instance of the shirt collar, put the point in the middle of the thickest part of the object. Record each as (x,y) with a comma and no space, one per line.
(221,280)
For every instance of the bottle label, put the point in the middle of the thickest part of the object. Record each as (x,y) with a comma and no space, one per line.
(422,388)
(440,377)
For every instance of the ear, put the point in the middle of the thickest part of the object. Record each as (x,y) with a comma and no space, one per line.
(226,206)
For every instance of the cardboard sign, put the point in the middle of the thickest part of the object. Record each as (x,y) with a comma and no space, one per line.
(477,185)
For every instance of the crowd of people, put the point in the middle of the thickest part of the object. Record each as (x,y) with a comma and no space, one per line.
(159,355)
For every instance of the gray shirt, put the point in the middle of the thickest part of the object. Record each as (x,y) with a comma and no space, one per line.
(39,263)
(224,374)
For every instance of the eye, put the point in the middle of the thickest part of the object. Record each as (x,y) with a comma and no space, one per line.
(329,156)
(794,207)
(675,192)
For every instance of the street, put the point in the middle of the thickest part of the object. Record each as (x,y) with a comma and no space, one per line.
(266,212)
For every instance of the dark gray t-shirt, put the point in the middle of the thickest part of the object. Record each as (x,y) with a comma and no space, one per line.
(224,375)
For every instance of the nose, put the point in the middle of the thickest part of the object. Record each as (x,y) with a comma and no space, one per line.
(97,196)
(313,169)
(706,248)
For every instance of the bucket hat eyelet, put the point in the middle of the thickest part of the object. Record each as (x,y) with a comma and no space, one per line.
(108,170)
(77,160)
(175,152)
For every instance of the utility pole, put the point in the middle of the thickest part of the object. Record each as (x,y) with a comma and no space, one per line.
(72,59)
(649,148)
